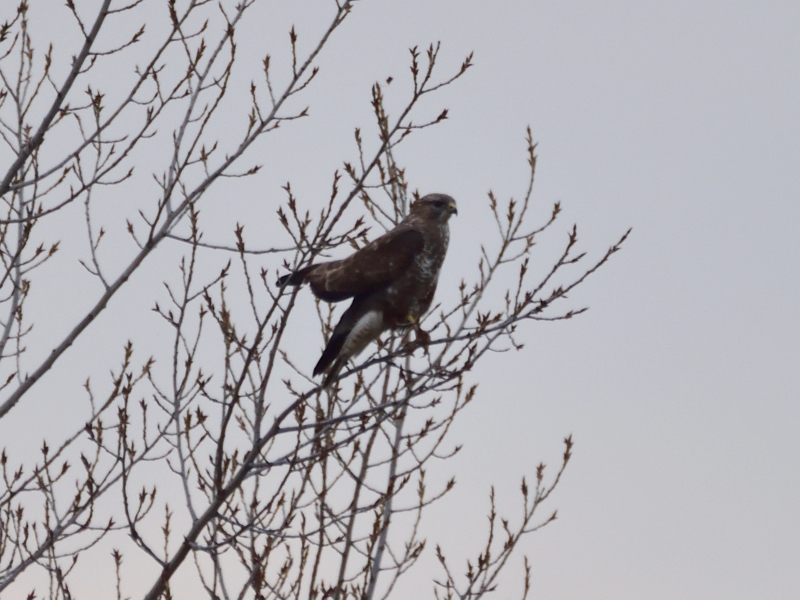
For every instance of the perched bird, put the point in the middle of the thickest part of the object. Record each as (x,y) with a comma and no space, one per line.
(391,280)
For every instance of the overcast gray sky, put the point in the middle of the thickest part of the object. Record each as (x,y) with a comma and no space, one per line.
(681,385)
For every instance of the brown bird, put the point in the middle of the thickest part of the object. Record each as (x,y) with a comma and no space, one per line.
(391,280)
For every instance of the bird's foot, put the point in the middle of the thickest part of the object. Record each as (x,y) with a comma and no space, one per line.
(422,339)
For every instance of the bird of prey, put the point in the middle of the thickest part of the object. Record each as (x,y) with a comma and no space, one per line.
(391,280)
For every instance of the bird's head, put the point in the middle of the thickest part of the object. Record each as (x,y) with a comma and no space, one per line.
(439,207)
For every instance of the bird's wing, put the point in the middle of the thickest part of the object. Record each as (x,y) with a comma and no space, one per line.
(360,325)
(372,267)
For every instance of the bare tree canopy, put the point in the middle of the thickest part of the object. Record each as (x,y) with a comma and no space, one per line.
(211,461)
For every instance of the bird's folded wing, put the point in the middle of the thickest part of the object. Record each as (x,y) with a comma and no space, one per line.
(374,266)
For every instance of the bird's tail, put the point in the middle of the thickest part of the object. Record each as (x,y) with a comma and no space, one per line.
(332,350)
(333,372)
(296,278)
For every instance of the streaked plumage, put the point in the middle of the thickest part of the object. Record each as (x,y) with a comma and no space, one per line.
(391,280)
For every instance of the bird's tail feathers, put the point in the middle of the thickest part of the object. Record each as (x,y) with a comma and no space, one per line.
(330,353)
(333,372)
